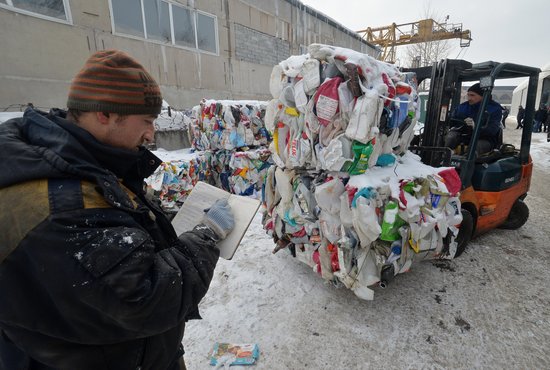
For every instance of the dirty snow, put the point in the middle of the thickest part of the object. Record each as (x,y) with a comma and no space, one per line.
(185,155)
(235,102)
(487,309)
(406,167)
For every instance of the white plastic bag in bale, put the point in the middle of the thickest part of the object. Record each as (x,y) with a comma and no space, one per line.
(224,140)
(365,221)
(271,194)
(283,179)
(271,114)
(279,145)
(328,194)
(204,143)
(312,125)
(287,96)
(228,116)
(320,51)
(299,152)
(367,274)
(422,232)
(346,100)
(303,201)
(346,261)
(292,66)
(406,137)
(452,209)
(300,97)
(346,215)
(336,127)
(337,154)
(248,136)
(311,75)
(365,116)
(330,226)
(377,148)
(277,81)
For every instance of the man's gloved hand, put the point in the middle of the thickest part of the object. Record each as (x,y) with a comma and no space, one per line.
(219,218)
(469,121)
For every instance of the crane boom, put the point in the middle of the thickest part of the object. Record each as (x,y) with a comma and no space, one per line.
(425,30)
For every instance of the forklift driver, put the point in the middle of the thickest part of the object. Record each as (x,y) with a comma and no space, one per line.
(490,136)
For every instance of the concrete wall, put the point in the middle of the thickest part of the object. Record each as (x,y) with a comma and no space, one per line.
(260,48)
(41,56)
(172,140)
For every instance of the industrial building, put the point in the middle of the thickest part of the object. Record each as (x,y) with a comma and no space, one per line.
(223,49)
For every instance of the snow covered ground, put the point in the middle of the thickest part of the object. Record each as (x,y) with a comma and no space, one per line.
(487,309)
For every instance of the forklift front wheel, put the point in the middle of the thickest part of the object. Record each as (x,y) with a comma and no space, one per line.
(464,232)
(518,216)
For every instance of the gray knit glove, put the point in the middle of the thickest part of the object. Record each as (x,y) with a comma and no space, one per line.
(219,218)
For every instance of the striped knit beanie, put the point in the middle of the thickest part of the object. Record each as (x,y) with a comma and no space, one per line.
(113,82)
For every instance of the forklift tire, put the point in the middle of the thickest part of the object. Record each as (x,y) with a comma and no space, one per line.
(465,232)
(518,216)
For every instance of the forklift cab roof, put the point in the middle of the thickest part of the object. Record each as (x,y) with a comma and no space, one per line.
(475,72)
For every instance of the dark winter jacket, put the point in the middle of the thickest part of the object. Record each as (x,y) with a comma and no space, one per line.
(490,124)
(92,276)
(541,114)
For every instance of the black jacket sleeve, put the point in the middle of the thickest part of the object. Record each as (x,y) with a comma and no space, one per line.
(96,276)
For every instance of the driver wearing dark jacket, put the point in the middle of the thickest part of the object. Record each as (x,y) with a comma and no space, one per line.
(92,275)
(491,129)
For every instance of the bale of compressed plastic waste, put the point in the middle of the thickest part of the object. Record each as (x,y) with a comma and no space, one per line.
(229,125)
(233,136)
(174,179)
(345,195)
(229,150)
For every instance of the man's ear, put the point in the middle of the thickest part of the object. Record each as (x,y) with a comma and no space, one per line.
(103,118)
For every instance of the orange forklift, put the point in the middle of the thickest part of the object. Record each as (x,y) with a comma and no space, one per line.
(494,184)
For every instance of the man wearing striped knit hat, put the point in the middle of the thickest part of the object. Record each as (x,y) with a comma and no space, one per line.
(93,276)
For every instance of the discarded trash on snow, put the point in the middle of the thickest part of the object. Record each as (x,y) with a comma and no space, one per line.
(227,354)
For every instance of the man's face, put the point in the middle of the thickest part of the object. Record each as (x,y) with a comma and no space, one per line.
(473,98)
(129,132)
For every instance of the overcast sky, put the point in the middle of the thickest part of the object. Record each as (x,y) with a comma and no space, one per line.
(502,31)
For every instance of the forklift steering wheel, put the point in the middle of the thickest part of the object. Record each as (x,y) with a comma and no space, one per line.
(460,126)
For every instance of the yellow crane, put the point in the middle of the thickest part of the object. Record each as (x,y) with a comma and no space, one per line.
(425,30)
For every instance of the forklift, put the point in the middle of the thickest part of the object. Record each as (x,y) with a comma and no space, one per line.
(495,184)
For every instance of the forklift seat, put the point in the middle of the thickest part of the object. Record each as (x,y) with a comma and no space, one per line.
(505,150)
